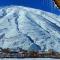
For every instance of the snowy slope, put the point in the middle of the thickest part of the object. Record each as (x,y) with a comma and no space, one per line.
(28,28)
(28,59)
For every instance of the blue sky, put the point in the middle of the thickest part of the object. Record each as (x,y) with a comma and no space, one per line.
(46,5)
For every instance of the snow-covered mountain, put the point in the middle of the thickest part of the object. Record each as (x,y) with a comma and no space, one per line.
(29,29)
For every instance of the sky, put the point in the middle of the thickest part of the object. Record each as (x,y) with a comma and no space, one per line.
(46,5)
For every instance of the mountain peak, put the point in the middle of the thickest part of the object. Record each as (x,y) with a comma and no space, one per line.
(23,26)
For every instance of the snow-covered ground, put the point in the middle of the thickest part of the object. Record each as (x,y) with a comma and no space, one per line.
(29,29)
(29,59)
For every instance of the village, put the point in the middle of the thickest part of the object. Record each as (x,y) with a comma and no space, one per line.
(7,53)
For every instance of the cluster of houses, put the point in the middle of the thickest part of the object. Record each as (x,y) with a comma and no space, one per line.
(7,53)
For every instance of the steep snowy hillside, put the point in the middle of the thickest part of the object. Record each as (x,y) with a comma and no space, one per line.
(29,29)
